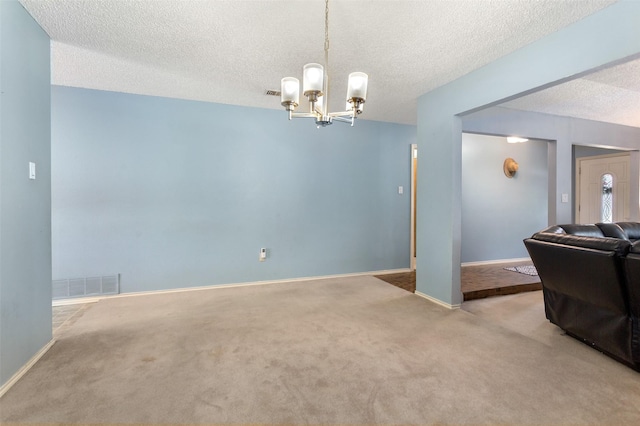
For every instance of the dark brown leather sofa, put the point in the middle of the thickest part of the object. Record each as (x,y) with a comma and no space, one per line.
(590,278)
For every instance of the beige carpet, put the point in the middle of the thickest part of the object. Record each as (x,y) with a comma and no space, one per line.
(339,351)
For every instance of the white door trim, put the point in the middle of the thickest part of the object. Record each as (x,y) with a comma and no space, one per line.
(412,248)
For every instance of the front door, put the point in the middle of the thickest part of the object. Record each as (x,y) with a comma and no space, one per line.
(603,189)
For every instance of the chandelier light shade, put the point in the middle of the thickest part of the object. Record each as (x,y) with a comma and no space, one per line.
(312,80)
(315,86)
(290,92)
(357,88)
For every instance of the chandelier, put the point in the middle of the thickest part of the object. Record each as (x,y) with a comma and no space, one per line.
(315,86)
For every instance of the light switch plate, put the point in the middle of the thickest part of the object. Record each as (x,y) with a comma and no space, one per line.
(32,170)
(565,198)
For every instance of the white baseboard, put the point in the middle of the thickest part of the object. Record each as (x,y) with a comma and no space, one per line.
(437,301)
(77,301)
(80,300)
(22,371)
(492,262)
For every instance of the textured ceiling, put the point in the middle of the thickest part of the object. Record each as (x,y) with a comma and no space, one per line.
(612,95)
(232,51)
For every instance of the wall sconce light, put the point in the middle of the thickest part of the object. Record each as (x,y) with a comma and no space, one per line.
(510,167)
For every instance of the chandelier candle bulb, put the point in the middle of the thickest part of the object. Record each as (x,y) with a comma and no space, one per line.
(312,79)
(357,86)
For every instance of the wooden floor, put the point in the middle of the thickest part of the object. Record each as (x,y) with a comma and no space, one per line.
(478,282)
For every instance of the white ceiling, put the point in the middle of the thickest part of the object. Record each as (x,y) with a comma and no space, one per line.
(611,95)
(232,51)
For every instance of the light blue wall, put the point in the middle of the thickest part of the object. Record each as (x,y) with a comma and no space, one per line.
(172,193)
(25,205)
(499,212)
(610,36)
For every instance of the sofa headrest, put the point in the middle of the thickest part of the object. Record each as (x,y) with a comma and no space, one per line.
(616,237)
(612,230)
(554,229)
(617,245)
(580,230)
(631,229)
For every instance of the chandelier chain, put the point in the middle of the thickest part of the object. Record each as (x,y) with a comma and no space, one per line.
(326,34)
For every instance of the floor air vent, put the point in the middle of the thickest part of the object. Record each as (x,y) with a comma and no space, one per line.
(84,287)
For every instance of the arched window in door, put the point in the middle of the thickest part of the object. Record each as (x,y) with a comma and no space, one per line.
(606,215)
